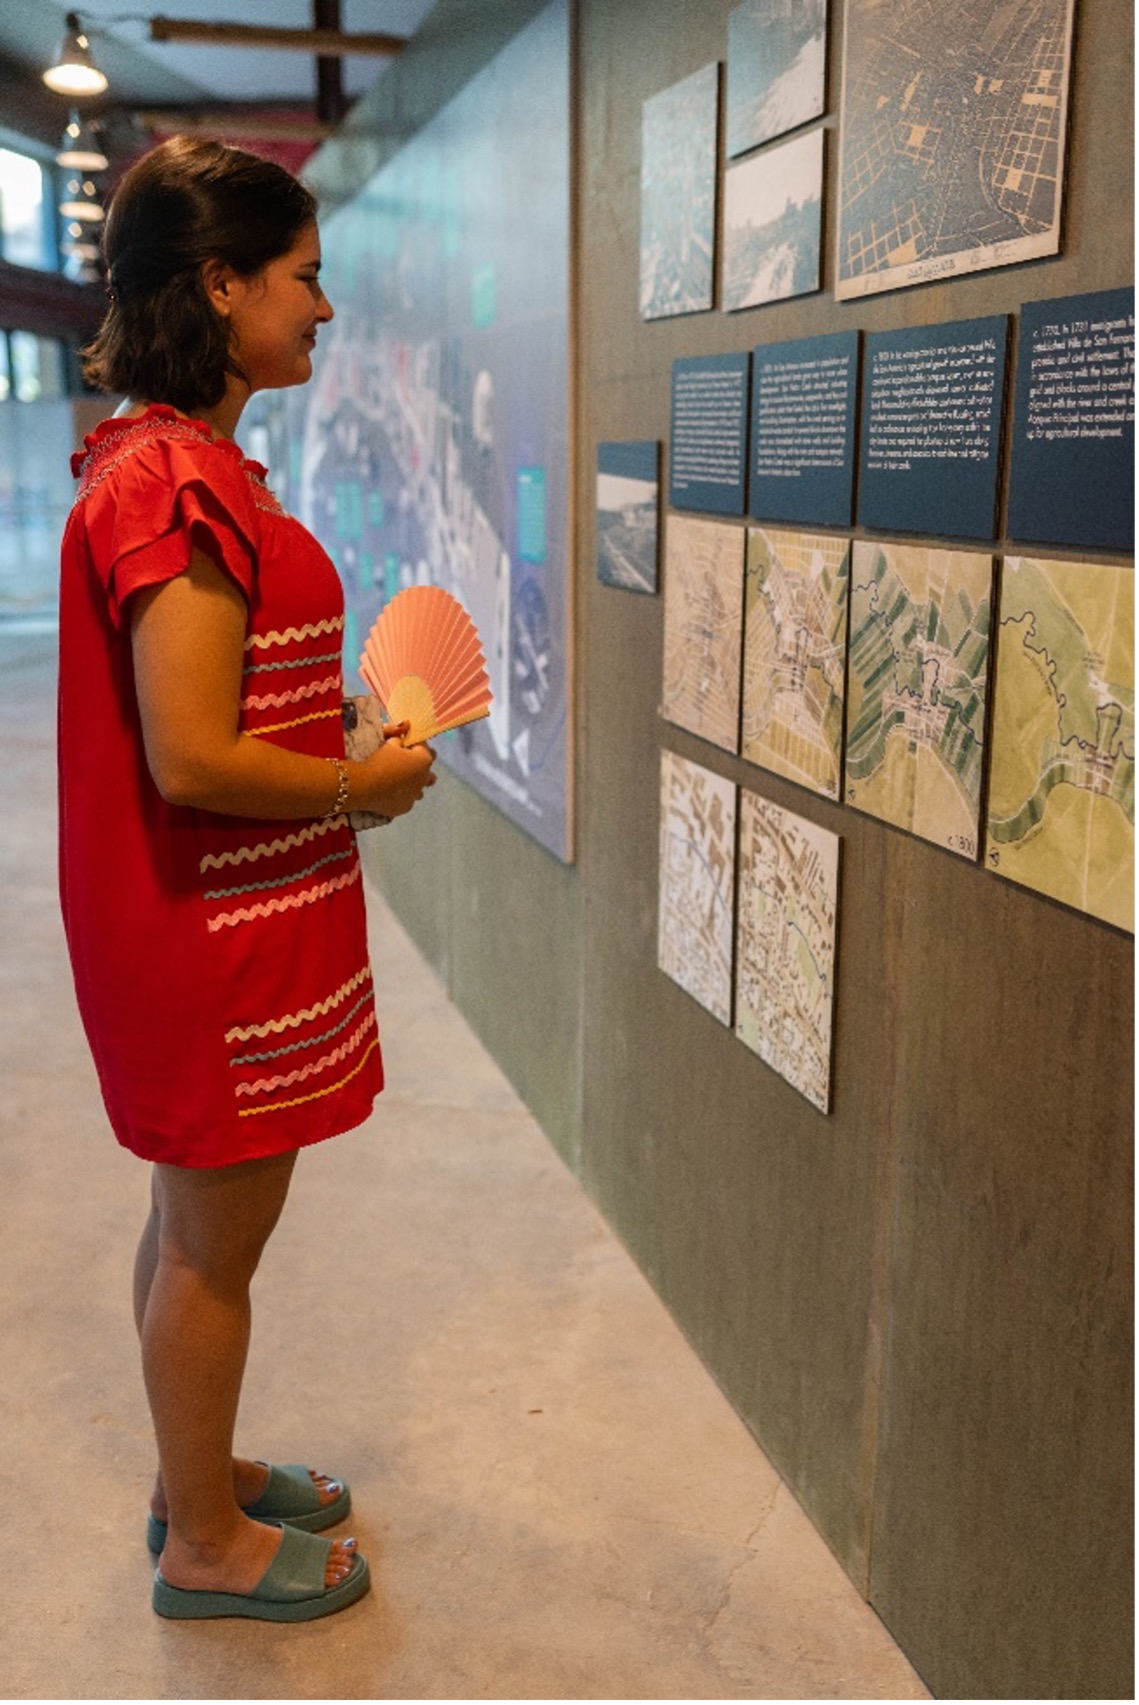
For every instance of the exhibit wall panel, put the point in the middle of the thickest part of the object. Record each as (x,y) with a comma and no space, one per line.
(920,1303)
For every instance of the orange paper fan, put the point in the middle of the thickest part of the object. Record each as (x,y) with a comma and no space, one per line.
(424,662)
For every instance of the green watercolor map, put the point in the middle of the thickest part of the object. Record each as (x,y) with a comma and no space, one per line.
(919,663)
(1062,788)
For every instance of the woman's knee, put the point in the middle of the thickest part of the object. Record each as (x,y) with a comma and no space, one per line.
(217,1221)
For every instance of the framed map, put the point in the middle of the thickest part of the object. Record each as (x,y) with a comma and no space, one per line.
(794,677)
(678,195)
(697,882)
(1062,783)
(772,223)
(628,514)
(917,689)
(703,628)
(952,138)
(785,944)
(777,69)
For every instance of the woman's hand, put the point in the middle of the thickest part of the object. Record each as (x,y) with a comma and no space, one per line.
(394,778)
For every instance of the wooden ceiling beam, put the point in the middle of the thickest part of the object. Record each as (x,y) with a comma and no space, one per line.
(48,304)
(244,126)
(325,44)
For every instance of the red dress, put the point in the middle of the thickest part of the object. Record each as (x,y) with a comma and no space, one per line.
(221,963)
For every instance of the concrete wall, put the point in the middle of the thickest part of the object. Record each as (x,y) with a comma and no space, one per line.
(921,1305)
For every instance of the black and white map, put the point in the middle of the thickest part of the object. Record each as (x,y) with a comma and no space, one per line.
(953,130)
(678,196)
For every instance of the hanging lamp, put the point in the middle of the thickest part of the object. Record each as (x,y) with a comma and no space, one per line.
(81,208)
(73,71)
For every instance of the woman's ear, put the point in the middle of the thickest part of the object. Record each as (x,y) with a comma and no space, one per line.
(218,281)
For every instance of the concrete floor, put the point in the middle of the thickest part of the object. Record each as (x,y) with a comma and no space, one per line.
(556,1500)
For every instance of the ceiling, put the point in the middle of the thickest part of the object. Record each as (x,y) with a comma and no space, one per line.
(144,74)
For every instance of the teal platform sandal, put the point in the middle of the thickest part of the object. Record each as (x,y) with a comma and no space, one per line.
(292,1588)
(290,1500)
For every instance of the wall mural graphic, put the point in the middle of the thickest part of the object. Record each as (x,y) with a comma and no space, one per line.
(431,445)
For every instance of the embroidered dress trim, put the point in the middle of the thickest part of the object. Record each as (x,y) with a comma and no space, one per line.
(286,1080)
(276,701)
(288,636)
(292,663)
(268,1054)
(115,440)
(299,1100)
(287,903)
(292,1020)
(279,727)
(267,849)
(309,1042)
(279,881)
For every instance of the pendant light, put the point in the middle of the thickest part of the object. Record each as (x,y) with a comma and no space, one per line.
(81,208)
(80,146)
(74,72)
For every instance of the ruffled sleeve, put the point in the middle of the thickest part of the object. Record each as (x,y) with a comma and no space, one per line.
(167,498)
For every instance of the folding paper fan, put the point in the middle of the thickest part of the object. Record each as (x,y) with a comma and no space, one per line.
(424,661)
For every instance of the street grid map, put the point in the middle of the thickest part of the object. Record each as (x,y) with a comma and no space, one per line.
(785,944)
(703,611)
(697,881)
(953,130)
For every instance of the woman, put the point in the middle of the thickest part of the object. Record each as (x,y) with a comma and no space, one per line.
(210,883)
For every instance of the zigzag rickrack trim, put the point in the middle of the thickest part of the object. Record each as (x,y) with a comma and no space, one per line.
(276,727)
(291,1020)
(289,636)
(265,1085)
(279,881)
(288,902)
(293,663)
(263,1059)
(266,849)
(274,701)
(330,1089)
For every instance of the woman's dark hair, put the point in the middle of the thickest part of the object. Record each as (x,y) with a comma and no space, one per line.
(183,204)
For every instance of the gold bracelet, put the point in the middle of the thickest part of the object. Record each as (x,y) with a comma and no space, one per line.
(341,799)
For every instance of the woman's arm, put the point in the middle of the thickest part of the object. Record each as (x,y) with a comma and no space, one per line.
(188,641)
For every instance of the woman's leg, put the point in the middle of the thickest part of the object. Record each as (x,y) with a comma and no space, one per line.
(249,1478)
(212,1226)
(146,1259)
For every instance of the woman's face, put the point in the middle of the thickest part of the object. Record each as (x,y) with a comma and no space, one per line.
(274,316)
